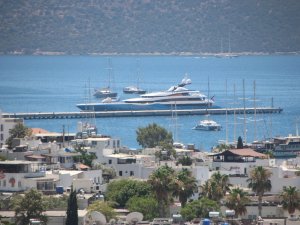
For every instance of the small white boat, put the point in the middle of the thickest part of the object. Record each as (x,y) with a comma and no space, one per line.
(208,125)
(133,90)
(105,93)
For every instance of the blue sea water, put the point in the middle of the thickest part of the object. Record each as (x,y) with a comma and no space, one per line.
(58,83)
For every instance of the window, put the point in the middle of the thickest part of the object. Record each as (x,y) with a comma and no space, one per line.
(62,159)
(4,183)
(109,161)
(45,185)
(1,128)
(131,173)
(1,138)
(120,173)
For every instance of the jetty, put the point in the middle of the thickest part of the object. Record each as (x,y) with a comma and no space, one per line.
(84,114)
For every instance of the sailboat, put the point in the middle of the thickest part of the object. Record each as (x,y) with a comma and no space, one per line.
(134,89)
(106,92)
(208,124)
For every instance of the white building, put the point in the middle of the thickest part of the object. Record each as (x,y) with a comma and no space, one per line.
(20,175)
(7,124)
(89,181)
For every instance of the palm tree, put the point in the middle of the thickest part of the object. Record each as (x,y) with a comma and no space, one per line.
(237,200)
(222,181)
(205,189)
(216,187)
(162,181)
(186,185)
(290,199)
(260,182)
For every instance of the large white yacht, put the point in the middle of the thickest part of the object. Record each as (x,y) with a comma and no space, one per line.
(178,97)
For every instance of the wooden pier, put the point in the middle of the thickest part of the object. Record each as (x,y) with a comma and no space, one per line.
(83,114)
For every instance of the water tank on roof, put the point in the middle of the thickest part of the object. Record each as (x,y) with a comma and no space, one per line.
(206,222)
(59,189)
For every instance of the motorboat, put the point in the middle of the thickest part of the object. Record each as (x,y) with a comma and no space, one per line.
(208,125)
(133,90)
(178,96)
(105,93)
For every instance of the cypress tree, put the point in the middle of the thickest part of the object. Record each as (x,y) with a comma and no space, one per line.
(240,143)
(72,213)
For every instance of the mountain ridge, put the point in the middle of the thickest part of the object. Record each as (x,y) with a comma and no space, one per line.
(149,27)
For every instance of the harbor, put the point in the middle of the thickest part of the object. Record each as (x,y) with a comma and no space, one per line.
(100,114)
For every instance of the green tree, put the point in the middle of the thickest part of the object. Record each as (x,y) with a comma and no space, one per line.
(290,199)
(199,209)
(260,182)
(240,143)
(104,208)
(120,191)
(153,135)
(18,131)
(107,172)
(148,206)
(167,151)
(237,200)
(162,181)
(221,147)
(185,161)
(216,187)
(222,181)
(29,206)
(53,202)
(72,210)
(206,190)
(86,157)
(186,186)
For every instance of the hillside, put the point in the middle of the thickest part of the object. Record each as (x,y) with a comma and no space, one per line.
(149,26)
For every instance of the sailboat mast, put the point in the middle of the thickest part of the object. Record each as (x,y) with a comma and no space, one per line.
(297,131)
(244,101)
(226,118)
(234,116)
(110,72)
(254,91)
(271,123)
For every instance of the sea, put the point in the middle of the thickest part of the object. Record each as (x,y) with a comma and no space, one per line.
(58,83)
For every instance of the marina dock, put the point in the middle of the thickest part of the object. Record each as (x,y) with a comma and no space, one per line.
(84,114)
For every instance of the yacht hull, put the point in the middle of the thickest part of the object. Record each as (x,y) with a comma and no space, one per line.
(123,106)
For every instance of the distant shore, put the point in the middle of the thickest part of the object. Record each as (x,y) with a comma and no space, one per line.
(221,55)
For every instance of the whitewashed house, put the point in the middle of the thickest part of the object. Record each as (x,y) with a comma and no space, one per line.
(20,175)
(7,124)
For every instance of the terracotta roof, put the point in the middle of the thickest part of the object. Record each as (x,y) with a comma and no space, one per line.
(248,152)
(35,156)
(82,166)
(39,131)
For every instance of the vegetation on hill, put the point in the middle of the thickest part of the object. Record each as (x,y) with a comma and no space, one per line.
(149,26)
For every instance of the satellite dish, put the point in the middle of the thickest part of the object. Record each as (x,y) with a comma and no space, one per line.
(95,218)
(134,217)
